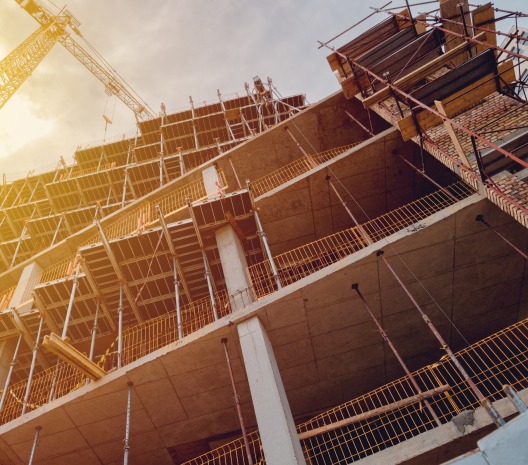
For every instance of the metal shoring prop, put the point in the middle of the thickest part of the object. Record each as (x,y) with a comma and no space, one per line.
(175,267)
(262,234)
(207,273)
(120,326)
(237,403)
(422,173)
(34,447)
(10,372)
(385,337)
(496,418)
(492,412)
(311,161)
(94,333)
(72,297)
(513,246)
(127,428)
(32,367)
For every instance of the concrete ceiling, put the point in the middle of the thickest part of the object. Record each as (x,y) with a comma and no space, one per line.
(325,344)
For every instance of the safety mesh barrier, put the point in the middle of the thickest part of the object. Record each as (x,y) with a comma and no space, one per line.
(138,341)
(492,362)
(307,259)
(295,168)
(46,385)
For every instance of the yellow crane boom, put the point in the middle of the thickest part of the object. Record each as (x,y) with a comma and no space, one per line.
(61,27)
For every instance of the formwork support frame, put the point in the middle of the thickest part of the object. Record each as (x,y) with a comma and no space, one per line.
(207,273)
(97,292)
(178,275)
(119,272)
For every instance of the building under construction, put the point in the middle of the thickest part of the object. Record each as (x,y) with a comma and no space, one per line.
(254,280)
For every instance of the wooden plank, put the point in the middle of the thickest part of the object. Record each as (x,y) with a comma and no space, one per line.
(449,9)
(421,27)
(452,134)
(457,102)
(484,16)
(374,412)
(407,81)
(72,356)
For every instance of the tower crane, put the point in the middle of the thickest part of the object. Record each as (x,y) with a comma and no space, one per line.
(62,27)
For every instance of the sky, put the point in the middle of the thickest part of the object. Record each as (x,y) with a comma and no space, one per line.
(167,50)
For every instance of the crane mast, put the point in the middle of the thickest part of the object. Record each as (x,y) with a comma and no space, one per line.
(61,27)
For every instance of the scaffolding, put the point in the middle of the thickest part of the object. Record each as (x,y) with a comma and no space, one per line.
(441,78)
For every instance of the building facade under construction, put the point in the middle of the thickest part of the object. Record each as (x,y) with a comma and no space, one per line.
(258,280)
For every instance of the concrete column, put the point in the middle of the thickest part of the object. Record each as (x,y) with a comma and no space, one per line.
(210,178)
(231,252)
(234,266)
(21,300)
(277,430)
(27,282)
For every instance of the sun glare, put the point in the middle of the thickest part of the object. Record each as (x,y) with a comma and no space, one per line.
(19,126)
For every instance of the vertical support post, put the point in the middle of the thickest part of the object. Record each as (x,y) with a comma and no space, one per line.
(10,372)
(123,197)
(94,329)
(22,234)
(72,298)
(385,337)
(57,230)
(120,326)
(127,428)
(32,367)
(490,409)
(237,403)
(177,297)
(515,398)
(209,284)
(262,234)
(34,447)
(182,164)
